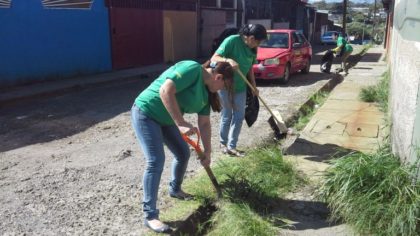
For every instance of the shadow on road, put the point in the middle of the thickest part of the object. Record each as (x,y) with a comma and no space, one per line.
(47,119)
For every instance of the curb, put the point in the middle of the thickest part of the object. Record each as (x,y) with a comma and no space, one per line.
(75,87)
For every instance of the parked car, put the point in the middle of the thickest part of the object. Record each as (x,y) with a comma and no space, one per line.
(225,33)
(284,52)
(327,37)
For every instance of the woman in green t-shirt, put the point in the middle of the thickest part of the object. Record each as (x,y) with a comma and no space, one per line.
(157,118)
(344,49)
(240,51)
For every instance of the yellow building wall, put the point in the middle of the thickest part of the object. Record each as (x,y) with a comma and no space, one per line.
(179,35)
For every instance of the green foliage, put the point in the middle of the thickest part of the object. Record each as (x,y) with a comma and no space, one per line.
(374,193)
(378,93)
(359,29)
(240,219)
(308,111)
(369,94)
(263,171)
(251,187)
(358,17)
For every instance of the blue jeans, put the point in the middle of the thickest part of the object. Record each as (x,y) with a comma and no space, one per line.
(152,136)
(232,117)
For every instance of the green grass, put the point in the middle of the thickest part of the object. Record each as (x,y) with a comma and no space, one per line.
(374,193)
(377,93)
(240,219)
(307,111)
(251,187)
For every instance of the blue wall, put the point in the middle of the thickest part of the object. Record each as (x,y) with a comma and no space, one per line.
(38,43)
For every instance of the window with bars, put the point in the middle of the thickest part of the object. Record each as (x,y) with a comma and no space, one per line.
(228,4)
(209,3)
(5,3)
(230,17)
(67,4)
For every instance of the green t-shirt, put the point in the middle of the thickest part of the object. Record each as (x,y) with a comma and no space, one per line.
(347,47)
(235,48)
(191,93)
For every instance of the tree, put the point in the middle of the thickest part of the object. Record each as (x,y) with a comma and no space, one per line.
(321,5)
(358,17)
(359,30)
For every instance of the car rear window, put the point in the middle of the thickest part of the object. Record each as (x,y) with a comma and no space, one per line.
(276,40)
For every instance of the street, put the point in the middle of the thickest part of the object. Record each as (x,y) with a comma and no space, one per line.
(70,164)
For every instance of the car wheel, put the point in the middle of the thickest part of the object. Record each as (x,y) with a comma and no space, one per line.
(307,67)
(286,74)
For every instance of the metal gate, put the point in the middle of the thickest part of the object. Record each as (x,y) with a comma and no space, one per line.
(136,32)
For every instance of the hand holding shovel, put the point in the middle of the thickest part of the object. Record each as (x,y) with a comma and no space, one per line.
(201,156)
(276,121)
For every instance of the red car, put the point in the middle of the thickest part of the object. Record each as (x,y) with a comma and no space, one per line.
(284,52)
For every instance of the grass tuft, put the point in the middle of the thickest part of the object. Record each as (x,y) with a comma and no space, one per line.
(251,187)
(377,93)
(374,193)
(240,219)
(307,111)
(258,179)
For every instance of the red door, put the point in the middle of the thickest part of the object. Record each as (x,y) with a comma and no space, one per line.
(136,32)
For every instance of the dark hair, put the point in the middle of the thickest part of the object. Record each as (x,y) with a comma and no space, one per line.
(258,31)
(225,69)
(336,34)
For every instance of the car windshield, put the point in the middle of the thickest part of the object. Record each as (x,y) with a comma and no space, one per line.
(328,33)
(276,40)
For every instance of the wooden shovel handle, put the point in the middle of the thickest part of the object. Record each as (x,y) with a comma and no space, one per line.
(196,146)
(253,90)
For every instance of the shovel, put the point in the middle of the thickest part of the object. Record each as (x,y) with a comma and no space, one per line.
(276,121)
(196,146)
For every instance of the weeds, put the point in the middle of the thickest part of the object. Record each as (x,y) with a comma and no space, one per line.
(258,179)
(374,193)
(251,187)
(240,219)
(307,111)
(377,93)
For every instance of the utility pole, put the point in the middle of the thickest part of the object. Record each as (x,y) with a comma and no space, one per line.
(363,31)
(374,21)
(345,16)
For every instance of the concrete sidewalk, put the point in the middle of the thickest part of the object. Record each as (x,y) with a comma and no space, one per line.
(343,121)
(48,88)
(346,121)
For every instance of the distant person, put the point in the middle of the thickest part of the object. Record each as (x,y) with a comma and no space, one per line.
(240,51)
(343,50)
(157,119)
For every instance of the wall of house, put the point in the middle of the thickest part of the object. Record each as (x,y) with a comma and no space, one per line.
(180,35)
(213,23)
(38,43)
(321,24)
(405,70)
